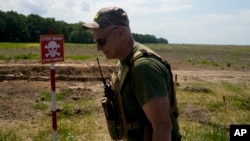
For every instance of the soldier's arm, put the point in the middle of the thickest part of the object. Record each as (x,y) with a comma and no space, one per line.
(157,112)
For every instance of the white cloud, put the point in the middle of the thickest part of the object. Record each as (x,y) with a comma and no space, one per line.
(73,11)
(216,18)
(177,20)
(244,16)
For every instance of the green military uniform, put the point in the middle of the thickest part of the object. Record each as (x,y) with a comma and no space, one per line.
(148,78)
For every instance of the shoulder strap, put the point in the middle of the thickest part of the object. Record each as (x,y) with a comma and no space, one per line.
(144,52)
(125,71)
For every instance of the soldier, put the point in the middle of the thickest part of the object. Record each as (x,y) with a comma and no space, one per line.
(143,84)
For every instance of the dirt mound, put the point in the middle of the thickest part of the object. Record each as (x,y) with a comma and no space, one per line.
(42,73)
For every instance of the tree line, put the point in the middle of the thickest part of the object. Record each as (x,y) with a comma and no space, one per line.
(15,27)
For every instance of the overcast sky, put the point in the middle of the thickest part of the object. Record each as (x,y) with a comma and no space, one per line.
(179,21)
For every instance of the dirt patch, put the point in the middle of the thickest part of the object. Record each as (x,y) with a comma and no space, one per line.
(191,113)
(21,85)
(197,89)
(17,98)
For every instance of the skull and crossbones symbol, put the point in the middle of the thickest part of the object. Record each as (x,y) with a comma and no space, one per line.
(52,48)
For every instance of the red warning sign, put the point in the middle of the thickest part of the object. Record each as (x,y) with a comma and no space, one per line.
(52,48)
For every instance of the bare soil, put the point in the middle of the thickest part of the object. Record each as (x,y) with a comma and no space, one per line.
(21,84)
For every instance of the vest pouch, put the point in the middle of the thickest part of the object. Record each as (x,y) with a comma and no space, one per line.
(112,118)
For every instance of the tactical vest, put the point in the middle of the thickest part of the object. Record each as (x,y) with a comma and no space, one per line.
(117,84)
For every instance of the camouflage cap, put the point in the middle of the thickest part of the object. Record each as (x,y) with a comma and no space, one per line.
(108,16)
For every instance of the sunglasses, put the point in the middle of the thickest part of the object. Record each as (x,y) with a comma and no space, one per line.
(102,41)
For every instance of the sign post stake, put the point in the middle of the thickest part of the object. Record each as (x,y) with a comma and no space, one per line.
(53,100)
(52,50)
(53,94)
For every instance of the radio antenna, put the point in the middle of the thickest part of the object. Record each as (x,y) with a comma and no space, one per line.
(100,70)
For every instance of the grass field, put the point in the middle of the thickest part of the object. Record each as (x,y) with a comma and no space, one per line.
(207,108)
(220,57)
